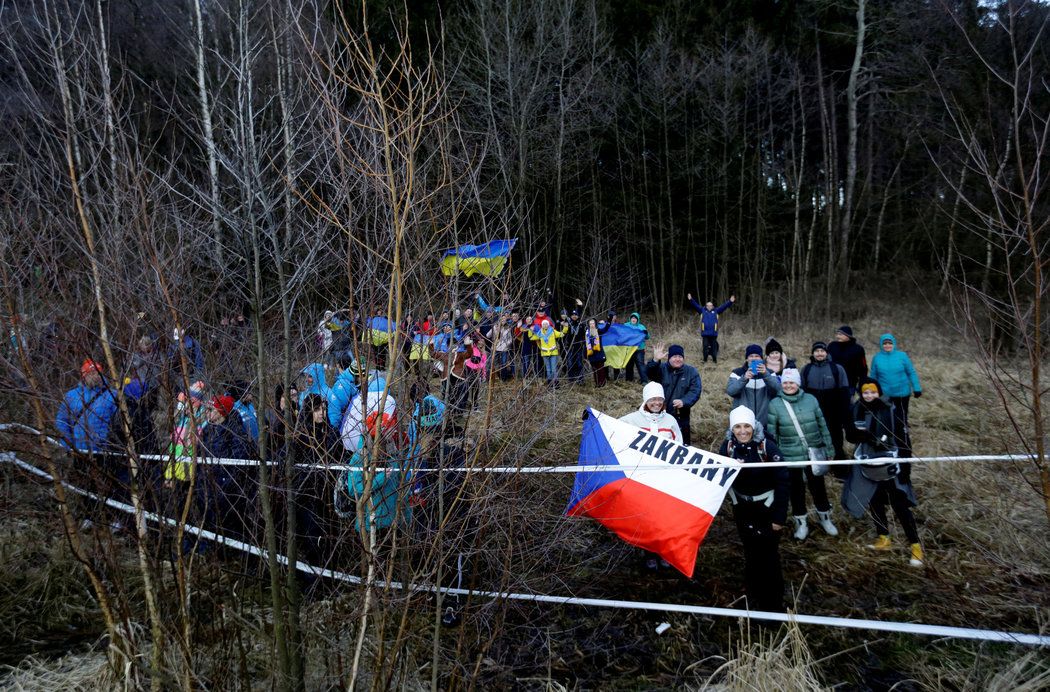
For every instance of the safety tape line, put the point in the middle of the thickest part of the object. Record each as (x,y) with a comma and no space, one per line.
(710,461)
(942,631)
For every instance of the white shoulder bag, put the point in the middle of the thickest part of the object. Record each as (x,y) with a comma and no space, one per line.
(815,453)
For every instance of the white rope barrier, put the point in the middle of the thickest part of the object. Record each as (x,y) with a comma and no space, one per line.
(942,631)
(710,461)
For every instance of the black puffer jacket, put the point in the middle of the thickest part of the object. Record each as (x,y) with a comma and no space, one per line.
(756,480)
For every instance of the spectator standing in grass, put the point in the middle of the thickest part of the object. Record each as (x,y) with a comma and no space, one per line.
(709,324)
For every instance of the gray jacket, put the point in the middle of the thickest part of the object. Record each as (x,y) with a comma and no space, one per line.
(755,394)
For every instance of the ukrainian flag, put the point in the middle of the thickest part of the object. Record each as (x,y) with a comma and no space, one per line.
(487,259)
(420,347)
(379,331)
(620,344)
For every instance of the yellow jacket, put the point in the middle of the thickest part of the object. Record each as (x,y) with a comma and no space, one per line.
(549,343)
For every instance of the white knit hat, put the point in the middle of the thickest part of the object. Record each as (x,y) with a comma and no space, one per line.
(791,375)
(741,414)
(651,391)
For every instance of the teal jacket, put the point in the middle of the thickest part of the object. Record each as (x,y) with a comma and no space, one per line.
(389,503)
(894,371)
(810,419)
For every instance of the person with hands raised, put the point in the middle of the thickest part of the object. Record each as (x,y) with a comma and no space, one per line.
(709,323)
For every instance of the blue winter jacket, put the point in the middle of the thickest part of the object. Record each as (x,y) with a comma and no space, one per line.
(894,371)
(320,385)
(249,418)
(84,417)
(709,318)
(343,392)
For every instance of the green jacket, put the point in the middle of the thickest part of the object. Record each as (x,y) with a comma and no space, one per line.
(810,419)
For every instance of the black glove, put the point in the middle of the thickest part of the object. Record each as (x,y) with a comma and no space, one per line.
(918,394)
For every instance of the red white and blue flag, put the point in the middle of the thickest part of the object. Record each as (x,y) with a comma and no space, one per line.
(647,501)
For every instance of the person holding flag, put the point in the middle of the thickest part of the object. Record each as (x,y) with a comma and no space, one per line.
(760,500)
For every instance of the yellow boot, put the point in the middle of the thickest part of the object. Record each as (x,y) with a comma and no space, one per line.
(917,555)
(881,543)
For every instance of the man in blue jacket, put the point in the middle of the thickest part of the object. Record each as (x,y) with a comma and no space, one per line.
(86,412)
(84,421)
(681,384)
(709,324)
(897,378)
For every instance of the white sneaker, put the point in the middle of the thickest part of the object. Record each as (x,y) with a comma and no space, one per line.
(801,527)
(825,523)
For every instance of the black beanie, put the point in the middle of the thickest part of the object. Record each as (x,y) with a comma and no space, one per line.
(773,345)
(819,344)
(845,329)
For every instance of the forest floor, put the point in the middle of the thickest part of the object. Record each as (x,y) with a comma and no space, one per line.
(982,525)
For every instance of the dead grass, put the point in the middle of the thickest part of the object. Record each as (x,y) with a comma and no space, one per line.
(982,524)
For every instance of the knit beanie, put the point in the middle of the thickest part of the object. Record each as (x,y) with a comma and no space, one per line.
(652,391)
(675,350)
(869,383)
(741,414)
(819,345)
(222,404)
(773,345)
(90,366)
(845,329)
(752,350)
(791,375)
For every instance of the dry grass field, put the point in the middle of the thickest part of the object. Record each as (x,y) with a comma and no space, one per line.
(982,524)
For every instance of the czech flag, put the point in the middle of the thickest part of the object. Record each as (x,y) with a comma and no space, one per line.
(664,510)
(487,259)
(620,343)
(379,331)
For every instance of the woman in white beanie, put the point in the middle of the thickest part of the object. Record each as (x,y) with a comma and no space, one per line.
(652,418)
(760,498)
(651,415)
(797,423)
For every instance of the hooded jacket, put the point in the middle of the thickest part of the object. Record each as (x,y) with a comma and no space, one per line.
(755,393)
(640,327)
(894,372)
(662,423)
(84,417)
(320,385)
(810,419)
(754,480)
(341,394)
(709,318)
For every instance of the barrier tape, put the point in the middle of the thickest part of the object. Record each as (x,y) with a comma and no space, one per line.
(709,463)
(942,631)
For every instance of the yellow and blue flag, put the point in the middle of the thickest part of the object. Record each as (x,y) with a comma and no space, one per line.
(379,330)
(620,344)
(487,259)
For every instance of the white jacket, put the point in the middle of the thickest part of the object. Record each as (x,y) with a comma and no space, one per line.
(662,424)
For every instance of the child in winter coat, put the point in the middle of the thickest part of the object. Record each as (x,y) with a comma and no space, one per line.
(873,486)
(797,423)
(651,415)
